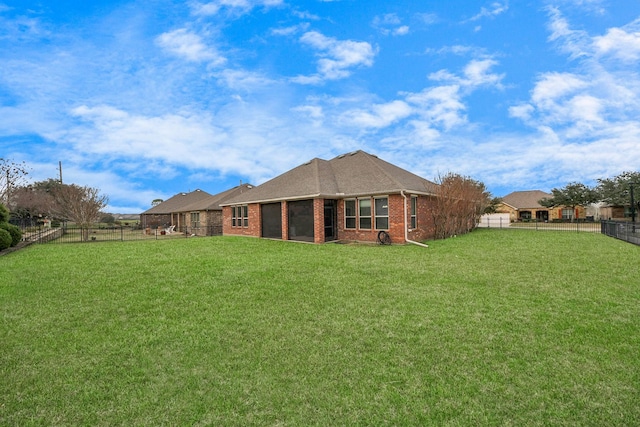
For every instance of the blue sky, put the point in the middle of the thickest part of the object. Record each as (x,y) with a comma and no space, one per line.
(145,99)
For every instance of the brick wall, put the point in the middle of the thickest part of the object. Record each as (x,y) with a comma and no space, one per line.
(254,227)
(425,227)
(423,231)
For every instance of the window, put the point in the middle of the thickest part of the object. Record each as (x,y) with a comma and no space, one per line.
(195,219)
(349,214)
(382,213)
(364,210)
(245,216)
(414,212)
(239,216)
(567,214)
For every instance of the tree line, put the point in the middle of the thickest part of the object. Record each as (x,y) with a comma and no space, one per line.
(82,205)
(616,191)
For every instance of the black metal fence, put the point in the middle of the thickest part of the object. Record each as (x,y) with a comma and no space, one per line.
(623,230)
(73,234)
(578,226)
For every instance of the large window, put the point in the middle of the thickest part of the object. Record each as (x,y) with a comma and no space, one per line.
(364,212)
(382,213)
(195,219)
(414,212)
(239,216)
(567,213)
(349,214)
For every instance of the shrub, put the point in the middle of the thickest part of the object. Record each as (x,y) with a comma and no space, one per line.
(4,213)
(5,239)
(14,231)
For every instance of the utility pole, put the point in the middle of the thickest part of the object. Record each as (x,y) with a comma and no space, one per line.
(60,168)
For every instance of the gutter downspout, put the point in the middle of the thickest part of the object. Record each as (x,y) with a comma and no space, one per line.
(406,235)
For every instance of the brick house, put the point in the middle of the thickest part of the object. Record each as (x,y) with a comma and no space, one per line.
(525,206)
(353,197)
(197,212)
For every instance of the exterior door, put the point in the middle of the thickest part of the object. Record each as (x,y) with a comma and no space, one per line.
(271,214)
(330,220)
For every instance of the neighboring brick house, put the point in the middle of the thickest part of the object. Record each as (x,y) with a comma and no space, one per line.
(197,212)
(352,197)
(525,206)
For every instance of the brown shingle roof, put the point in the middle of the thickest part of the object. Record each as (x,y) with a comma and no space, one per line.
(348,175)
(525,199)
(212,203)
(197,200)
(177,202)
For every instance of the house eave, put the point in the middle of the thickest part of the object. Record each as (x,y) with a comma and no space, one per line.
(328,196)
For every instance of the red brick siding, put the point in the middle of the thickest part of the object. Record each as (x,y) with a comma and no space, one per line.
(425,228)
(285,220)
(253,228)
(423,231)
(318,220)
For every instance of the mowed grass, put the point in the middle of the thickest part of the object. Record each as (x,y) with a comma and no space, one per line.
(498,327)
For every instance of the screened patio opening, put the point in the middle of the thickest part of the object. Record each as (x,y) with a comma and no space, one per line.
(300,214)
(271,220)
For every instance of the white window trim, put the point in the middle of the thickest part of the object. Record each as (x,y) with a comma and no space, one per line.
(375,213)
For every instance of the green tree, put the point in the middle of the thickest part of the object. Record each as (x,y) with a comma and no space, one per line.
(493,205)
(5,239)
(572,195)
(4,213)
(615,191)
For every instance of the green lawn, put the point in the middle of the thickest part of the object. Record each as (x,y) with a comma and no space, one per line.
(499,327)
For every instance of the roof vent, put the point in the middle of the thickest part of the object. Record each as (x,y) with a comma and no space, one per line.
(341,156)
(353,152)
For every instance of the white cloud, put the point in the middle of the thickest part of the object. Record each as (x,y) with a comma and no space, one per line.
(475,73)
(441,106)
(390,24)
(552,86)
(598,95)
(401,31)
(190,46)
(379,115)
(243,80)
(574,42)
(233,6)
(293,29)
(619,43)
(337,57)
(495,9)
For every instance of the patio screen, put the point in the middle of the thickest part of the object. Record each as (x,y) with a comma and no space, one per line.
(301,220)
(272,220)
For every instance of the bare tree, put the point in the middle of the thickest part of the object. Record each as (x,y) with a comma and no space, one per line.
(12,175)
(32,202)
(459,203)
(82,205)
